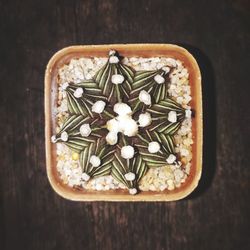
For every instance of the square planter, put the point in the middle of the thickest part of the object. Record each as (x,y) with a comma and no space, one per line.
(129,50)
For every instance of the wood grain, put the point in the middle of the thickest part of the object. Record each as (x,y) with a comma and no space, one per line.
(216,216)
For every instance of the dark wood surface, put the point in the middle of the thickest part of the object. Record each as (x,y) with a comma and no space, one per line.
(215,216)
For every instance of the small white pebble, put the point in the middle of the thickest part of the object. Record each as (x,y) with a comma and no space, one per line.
(106,187)
(155,59)
(172,87)
(174,80)
(129,176)
(178,90)
(98,107)
(172,116)
(63,107)
(64,136)
(160,65)
(113,59)
(127,152)
(117,79)
(125,60)
(121,185)
(133,59)
(145,119)
(109,180)
(152,187)
(145,97)
(95,161)
(68,172)
(187,168)
(99,187)
(78,92)
(163,187)
(159,79)
(179,99)
(184,152)
(85,176)
(170,184)
(133,191)
(188,113)
(178,175)
(88,76)
(171,159)
(153,147)
(85,130)
(188,98)
(171,62)
(146,66)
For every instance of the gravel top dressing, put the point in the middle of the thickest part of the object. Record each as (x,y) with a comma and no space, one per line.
(124,123)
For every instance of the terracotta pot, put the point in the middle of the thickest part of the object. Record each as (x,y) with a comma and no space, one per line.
(129,50)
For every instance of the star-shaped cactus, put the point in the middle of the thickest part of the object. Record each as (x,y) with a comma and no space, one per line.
(121,122)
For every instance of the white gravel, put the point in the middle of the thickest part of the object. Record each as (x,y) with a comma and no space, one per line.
(168,177)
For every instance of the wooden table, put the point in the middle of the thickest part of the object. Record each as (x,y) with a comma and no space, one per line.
(216,216)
